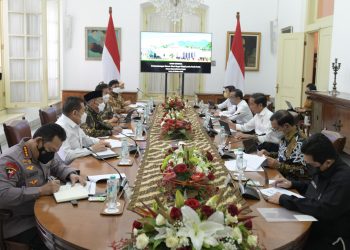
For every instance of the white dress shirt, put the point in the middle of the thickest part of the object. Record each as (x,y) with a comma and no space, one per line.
(243,114)
(227,104)
(72,147)
(262,125)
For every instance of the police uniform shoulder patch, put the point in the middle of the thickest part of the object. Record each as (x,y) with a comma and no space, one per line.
(11,169)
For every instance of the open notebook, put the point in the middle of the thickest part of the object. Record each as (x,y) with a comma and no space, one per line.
(77,192)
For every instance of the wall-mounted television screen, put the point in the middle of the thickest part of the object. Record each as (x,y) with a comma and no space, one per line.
(175,52)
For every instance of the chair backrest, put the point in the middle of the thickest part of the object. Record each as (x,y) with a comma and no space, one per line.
(16,130)
(6,244)
(48,115)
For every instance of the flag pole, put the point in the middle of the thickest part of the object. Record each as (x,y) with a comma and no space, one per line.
(237,15)
(110,10)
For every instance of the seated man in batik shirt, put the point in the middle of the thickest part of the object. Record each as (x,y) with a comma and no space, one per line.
(288,160)
(116,100)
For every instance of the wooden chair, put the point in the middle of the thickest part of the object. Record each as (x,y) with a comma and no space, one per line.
(7,244)
(48,115)
(16,130)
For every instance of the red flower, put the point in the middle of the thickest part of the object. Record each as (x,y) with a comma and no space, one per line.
(169,175)
(137,225)
(180,168)
(209,156)
(197,176)
(175,213)
(211,176)
(207,211)
(248,224)
(232,209)
(192,203)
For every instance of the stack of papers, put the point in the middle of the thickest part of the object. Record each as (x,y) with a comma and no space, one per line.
(96,178)
(105,154)
(273,190)
(281,215)
(68,192)
(127,132)
(254,163)
(115,143)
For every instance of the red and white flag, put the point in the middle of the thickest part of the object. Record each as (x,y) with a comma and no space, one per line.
(234,74)
(110,54)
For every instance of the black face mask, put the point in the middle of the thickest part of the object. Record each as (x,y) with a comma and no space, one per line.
(312,170)
(44,156)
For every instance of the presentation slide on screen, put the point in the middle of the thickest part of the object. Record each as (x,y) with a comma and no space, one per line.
(176,52)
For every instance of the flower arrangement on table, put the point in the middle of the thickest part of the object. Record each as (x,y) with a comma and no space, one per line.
(174,126)
(173,103)
(190,224)
(188,169)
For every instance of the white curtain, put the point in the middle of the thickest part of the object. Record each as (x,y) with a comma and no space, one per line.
(155,82)
(53,50)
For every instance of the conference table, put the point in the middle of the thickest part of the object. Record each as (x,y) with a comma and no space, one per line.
(64,226)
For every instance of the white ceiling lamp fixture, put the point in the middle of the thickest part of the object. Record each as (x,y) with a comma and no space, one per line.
(174,10)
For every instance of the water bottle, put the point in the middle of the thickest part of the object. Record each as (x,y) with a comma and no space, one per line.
(112,194)
(146,114)
(139,130)
(239,162)
(125,151)
(222,136)
(196,100)
(206,120)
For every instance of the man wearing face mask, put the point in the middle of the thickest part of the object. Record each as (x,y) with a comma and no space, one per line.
(289,160)
(227,104)
(77,141)
(116,100)
(327,195)
(24,172)
(107,114)
(95,126)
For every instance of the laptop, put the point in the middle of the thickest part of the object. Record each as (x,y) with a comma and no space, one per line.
(226,127)
(250,146)
(290,106)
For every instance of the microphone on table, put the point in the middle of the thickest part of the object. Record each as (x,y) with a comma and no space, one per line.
(132,149)
(139,90)
(127,118)
(114,168)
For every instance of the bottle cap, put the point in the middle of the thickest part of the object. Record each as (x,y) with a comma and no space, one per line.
(112,177)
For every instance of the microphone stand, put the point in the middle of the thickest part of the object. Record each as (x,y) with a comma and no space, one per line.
(122,181)
(135,149)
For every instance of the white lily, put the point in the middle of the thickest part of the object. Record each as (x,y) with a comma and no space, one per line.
(200,231)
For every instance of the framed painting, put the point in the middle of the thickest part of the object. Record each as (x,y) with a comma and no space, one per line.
(95,40)
(251,46)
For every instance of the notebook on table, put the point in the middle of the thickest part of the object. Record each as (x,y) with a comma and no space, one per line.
(77,192)
(105,154)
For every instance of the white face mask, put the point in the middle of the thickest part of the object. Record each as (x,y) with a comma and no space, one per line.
(117,90)
(83,118)
(101,107)
(106,98)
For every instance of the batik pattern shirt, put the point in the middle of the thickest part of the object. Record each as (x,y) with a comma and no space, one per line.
(116,102)
(290,158)
(95,126)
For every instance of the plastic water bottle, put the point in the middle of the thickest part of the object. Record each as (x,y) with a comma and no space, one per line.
(195,100)
(112,194)
(239,163)
(139,130)
(125,150)
(222,136)
(206,120)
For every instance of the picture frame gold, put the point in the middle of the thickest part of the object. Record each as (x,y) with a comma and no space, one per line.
(94,42)
(251,45)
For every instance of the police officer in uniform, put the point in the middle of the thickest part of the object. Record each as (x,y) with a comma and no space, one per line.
(95,126)
(25,169)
